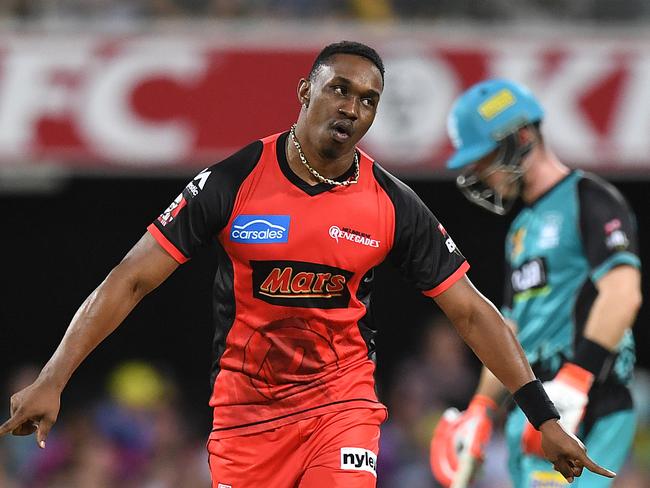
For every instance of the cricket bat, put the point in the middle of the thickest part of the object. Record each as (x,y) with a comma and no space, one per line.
(467,465)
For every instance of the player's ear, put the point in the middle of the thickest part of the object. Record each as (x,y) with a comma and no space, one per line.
(526,135)
(304,89)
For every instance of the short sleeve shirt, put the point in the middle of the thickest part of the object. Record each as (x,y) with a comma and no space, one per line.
(294,337)
(557,249)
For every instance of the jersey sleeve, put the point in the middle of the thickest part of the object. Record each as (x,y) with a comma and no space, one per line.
(422,249)
(203,208)
(607,227)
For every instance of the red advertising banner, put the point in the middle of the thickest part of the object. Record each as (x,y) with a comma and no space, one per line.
(124,102)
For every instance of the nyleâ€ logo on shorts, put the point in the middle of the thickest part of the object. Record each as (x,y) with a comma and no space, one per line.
(358,459)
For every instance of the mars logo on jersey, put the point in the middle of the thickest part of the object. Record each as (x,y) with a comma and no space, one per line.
(301,284)
(260,229)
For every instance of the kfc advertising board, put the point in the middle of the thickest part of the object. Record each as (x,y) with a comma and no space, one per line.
(175,101)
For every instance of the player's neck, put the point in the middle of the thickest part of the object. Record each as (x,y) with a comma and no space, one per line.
(325,166)
(543,173)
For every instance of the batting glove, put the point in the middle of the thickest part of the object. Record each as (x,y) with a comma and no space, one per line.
(457,432)
(569,392)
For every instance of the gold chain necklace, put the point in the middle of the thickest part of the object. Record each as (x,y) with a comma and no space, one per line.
(316,174)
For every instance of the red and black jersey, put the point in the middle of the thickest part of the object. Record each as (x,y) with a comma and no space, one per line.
(295,267)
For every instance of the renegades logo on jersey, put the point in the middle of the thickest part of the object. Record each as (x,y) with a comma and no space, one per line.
(301,284)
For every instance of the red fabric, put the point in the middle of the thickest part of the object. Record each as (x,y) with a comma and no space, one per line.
(455,429)
(279,348)
(577,377)
(309,452)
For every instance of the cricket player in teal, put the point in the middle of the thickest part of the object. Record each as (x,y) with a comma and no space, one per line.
(572,288)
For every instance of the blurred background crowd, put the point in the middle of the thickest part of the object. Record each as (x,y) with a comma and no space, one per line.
(484,10)
(133,424)
(139,433)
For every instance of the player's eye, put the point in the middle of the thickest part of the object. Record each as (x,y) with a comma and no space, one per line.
(368,102)
(340,90)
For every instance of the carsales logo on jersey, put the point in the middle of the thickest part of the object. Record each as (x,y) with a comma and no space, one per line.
(260,229)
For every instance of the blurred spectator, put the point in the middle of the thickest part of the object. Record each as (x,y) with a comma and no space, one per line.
(423,386)
(17,453)
(484,10)
(134,438)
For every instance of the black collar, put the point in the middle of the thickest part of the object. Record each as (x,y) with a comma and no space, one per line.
(311,190)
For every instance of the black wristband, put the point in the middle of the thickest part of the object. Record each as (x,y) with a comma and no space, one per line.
(535,403)
(594,358)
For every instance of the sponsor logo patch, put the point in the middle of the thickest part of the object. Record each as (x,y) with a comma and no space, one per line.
(544,479)
(451,245)
(347,234)
(191,190)
(221,485)
(260,229)
(528,278)
(496,104)
(549,236)
(171,212)
(301,284)
(358,459)
(517,243)
(616,238)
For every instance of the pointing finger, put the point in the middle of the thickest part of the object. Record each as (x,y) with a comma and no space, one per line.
(595,468)
(10,425)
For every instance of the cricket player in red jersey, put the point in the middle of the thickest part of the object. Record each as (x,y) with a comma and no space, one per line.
(299,220)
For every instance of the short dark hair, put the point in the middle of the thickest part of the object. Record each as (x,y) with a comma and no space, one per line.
(347,47)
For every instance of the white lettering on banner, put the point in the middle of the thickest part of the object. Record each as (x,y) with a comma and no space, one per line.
(411,122)
(98,99)
(566,122)
(110,121)
(632,121)
(29,91)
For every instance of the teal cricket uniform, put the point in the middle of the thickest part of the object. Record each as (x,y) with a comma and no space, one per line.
(557,248)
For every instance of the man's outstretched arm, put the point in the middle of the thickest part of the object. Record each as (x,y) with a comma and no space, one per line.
(36,407)
(484,330)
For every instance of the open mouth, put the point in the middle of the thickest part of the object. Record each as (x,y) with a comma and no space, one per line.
(342,130)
